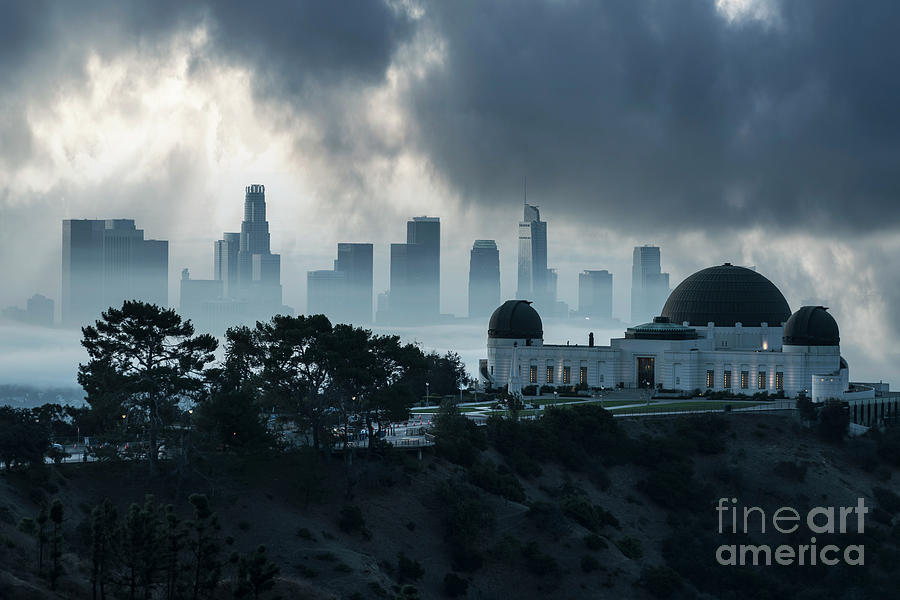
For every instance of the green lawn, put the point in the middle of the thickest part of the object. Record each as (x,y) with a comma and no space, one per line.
(695,405)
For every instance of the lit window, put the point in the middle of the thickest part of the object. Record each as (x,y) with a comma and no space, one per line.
(779,380)
(745,379)
(761,380)
(710,379)
(567,375)
(532,374)
(727,380)
(549,374)
(582,375)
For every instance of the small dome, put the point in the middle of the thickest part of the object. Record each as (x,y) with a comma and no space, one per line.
(516,319)
(811,326)
(726,295)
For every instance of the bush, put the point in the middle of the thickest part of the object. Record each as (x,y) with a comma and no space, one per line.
(538,562)
(408,569)
(590,516)
(662,582)
(455,586)
(589,563)
(834,420)
(630,547)
(306,534)
(351,520)
(491,479)
(466,522)
(595,542)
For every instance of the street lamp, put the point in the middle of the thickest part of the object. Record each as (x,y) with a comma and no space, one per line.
(427,392)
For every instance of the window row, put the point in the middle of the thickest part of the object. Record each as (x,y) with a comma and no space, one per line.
(566,375)
(762,380)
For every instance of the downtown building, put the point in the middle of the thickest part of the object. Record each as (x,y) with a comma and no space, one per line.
(104,263)
(536,282)
(484,278)
(415,289)
(649,285)
(595,295)
(247,276)
(343,294)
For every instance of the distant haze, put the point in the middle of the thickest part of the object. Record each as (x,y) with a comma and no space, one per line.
(755,132)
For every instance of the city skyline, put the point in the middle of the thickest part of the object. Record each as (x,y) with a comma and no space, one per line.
(748,141)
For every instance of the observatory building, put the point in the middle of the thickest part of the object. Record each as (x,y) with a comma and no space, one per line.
(723,328)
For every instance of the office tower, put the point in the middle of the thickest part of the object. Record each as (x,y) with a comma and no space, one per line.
(344,294)
(325,294)
(484,278)
(533,284)
(595,294)
(107,262)
(356,262)
(258,270)
(194,294)
(649,286)
(415,295)
(226,261)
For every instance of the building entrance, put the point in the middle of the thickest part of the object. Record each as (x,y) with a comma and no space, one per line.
(646,375)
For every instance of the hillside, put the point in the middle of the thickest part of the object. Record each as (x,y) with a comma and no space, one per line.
(638,520)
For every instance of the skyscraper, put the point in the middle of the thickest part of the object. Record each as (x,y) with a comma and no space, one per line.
(225,264)
(344,294)
(649,286)
(107,262)
(356,262)
(484,278)
(247,275)
(595,294)
(533,277)
(259,271)
(415,295)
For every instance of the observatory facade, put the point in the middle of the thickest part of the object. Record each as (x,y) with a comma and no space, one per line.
(724,328)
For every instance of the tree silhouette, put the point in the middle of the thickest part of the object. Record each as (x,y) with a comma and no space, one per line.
(150,356)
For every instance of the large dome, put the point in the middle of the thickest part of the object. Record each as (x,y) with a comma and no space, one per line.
(516,319)
(726,295)
(811,326)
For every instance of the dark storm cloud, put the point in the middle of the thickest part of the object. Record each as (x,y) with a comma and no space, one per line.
(294,50)
(663,112)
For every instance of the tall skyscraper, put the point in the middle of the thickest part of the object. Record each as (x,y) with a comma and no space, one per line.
(595,294)
(247,276)
(533,276)
(415,295)
(344,294)
(107,262)
(484,278)
(649,286)
(259,271)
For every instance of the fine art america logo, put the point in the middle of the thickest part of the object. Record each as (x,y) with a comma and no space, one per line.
(819,520)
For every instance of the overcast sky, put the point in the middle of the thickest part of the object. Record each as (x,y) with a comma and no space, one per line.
(754,132)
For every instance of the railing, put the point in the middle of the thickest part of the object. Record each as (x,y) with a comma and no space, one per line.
(663,410)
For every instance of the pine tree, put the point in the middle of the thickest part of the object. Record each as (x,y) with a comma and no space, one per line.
(256,574)
(104,542)
(175,542)
(56,516)
(206,547)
